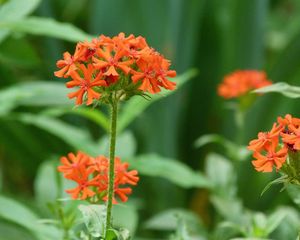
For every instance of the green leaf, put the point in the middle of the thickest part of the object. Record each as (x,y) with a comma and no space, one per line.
(282,88)
(74,136)
(170,169)
(18,52)
(94,217)
(93,115)
(275,219)
(112,234)
(14,10)
(15,212)
(126,145)
(226,230)
(222,174)
(230,209)
(294,193)
(135,106)
(126,217)
(46,27)
(38,93)
(168,220)
(14,232)
(233,150)
(279,180)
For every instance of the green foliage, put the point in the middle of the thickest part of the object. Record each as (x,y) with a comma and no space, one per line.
(176,172)
(283,88)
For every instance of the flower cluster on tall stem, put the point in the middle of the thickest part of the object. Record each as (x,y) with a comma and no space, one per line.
(108,70)
(277,147)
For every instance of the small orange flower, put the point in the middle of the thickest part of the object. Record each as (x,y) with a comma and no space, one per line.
(86,82)
(265,138)
(241,82)
(127,63)
(265,163)
(91,175)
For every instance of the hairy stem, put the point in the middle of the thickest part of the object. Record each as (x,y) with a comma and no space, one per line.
(111,177)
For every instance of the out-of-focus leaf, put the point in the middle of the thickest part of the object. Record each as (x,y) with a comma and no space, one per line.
(94,217)
(15,212)
(125,145)
(46,27)
(282,88)
(230,209)
(126,217)
(135,106)
(74,136)
(14,10)
(112,234)
(233,150)
(18,52)
(221,174)
(46,187)
(251,238)
(37,93)
(294,192)
(14,232)
(226,230)
(175,171)
(92,114)
(275,219)
(168,220)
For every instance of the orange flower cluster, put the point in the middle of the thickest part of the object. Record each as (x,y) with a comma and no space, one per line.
(271,148)
(91,175)
(241,82)
(124,62)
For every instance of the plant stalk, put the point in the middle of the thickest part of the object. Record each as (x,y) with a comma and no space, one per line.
(111,174)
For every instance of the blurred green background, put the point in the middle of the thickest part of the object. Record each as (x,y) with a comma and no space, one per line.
(215,37)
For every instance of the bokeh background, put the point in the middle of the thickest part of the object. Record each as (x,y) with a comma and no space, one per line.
(204,40)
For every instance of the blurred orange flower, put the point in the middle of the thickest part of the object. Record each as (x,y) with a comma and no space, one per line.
(91,176)
(241,82)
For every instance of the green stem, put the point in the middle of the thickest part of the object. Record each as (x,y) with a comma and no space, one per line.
(111,177)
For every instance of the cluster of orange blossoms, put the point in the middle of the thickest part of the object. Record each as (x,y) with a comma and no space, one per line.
(120,63)
(269,151)
(241,82)
(91,175)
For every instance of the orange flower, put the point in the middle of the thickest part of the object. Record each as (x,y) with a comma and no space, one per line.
(241,82)
(292,137)
(127,63)
(86,84)
(74,163)
(265,138)
(265,163)
(91,175)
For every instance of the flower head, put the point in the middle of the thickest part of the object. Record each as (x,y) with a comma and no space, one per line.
(273,147)
(241,82)
(113,64)
(91,176)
